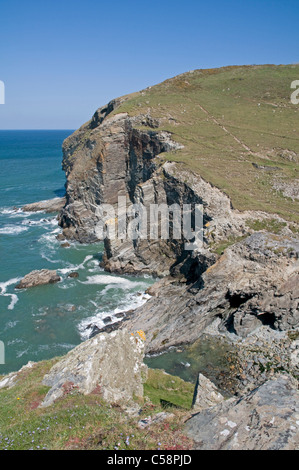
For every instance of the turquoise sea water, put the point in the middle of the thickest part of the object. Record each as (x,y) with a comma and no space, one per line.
(47,321)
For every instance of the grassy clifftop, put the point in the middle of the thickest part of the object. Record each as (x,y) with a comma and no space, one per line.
(87,422)
(239,130)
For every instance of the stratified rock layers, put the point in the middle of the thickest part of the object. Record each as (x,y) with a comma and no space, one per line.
(253,283)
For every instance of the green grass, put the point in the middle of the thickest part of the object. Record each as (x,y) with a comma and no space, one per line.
(162,386)
(77,421)
(233,122)
(219,247)
(270,225)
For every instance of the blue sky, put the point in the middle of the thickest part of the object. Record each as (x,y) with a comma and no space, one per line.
(61,60)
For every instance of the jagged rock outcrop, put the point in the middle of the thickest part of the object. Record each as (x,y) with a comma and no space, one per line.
(111,364)
(104,159)
(265,419)
(254,283)
(206,394)
(38,278)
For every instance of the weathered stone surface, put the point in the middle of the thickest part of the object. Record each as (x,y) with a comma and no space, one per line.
(251,284)
(265,419)
(158,418)
(50,205)
(206,394)
(254,283)
(111,363)
(11,379)
(104,159)
(38,278)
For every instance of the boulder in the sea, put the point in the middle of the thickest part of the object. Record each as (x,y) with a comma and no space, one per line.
(73,275)
(109,363)
(38,278)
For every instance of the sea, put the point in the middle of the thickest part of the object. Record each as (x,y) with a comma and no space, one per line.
(47,321)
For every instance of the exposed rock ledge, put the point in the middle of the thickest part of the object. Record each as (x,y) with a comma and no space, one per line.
(50,205)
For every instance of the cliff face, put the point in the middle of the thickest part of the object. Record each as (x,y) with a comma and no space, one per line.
(242,279)
(119,156)
(107,159)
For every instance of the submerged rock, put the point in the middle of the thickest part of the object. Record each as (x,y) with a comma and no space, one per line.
(74,274)
(38,278)
(111,363)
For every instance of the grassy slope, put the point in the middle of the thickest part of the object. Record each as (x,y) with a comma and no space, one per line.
(87,422)
(227,119)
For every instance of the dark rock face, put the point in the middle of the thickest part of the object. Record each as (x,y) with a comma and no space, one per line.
(265,419)
(38,278)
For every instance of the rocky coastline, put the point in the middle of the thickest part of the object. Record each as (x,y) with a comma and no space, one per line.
(241,286)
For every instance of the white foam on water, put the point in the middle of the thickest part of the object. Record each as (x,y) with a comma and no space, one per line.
(55,346)
(74,267)
(13,211)
(49,243)
(14,300)
(6,211)
(3,289)
(21,353)
(41,223)
(12,230)
(130,302)
(49,239)
(20,213)
(15,341)
(111,282)
(4,285)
